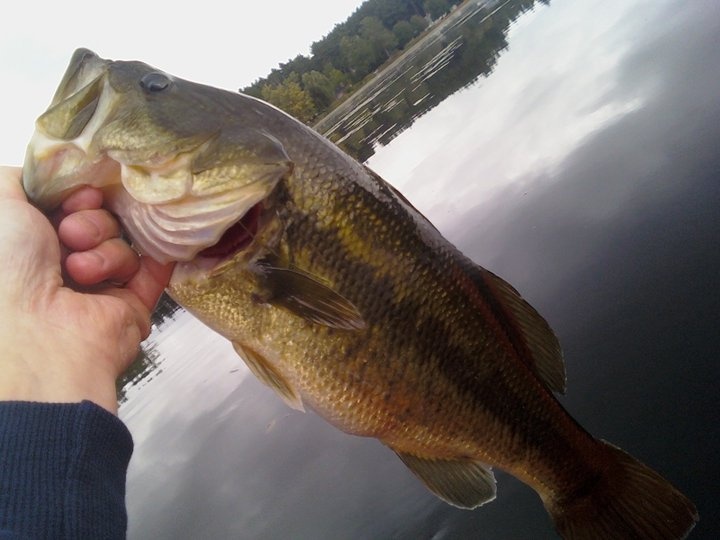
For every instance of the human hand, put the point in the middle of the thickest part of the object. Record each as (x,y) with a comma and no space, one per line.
(68,342)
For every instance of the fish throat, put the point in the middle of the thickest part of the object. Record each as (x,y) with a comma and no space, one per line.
(237,237)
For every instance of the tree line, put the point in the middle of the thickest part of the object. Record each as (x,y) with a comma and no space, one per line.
(308,86)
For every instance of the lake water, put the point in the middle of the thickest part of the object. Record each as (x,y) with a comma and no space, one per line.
(585,169)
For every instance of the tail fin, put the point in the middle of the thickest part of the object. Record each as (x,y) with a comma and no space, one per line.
(633,502)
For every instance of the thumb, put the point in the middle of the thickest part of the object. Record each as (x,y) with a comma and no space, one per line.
(150,281)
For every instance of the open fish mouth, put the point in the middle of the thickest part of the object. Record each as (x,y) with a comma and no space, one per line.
(209,227)
(237,237)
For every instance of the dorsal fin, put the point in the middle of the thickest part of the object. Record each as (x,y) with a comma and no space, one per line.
(462,483)
(542,343)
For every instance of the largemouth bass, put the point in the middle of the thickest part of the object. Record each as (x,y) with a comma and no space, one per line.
(339,294)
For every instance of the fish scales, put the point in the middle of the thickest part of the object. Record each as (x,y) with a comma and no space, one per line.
(338,294)
(447,417)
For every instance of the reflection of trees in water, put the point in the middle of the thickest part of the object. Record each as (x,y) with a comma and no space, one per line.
(147,360)
(145,364)
(459,56)
(164,309)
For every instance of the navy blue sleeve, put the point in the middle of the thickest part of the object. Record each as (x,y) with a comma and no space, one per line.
(62,471)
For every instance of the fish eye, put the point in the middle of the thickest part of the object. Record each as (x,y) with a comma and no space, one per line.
(154,82)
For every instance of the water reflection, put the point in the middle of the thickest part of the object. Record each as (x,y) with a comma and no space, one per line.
(585,170)
(147,362)
(462,47)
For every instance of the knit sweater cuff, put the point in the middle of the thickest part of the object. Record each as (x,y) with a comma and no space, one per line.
(62,470)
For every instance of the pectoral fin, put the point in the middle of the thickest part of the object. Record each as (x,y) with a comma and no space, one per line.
(465,484)
(309,298)
(265,371)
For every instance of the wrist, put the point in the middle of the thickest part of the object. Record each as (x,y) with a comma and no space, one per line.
(50,366)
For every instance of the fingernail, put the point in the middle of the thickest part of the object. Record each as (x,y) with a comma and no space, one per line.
(92,258)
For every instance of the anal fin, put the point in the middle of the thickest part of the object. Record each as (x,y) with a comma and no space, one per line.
(267,374)
(462,483)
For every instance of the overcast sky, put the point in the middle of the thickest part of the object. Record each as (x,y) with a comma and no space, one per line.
(223,44)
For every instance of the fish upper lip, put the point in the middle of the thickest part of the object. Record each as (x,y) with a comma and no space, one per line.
(56,154)
(84,66)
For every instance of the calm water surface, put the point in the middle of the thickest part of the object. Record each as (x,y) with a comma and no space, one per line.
(585,169)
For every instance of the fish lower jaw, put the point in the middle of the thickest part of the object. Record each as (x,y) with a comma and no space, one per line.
(203,267)
(196,270)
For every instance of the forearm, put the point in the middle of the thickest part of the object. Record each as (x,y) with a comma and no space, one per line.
(63,471)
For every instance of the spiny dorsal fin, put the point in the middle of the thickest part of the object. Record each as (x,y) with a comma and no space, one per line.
(462,483)
(265,371)
(309,298)
(546,355)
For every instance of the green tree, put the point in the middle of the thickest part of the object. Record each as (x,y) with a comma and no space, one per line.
(335,76)
(382,40)
(436,8)
(319,87)
(418,23)
(390,12)
(359,55)
(327,50)
(404,32)
(300,64)
(291,98)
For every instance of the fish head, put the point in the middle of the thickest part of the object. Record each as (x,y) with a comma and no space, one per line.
(181,164)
